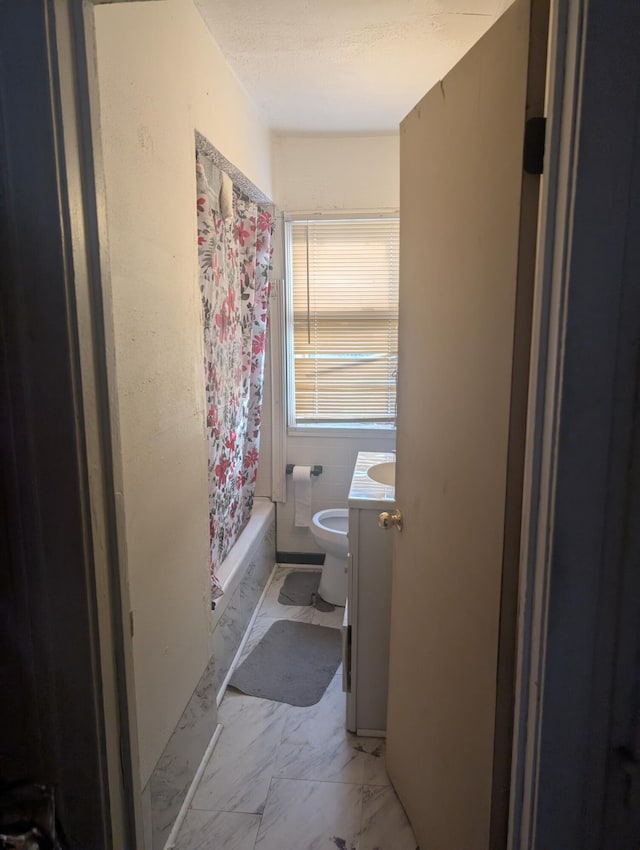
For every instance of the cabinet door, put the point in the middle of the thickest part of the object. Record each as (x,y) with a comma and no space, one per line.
(372,630)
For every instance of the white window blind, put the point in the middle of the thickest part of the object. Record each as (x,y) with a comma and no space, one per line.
(344,285)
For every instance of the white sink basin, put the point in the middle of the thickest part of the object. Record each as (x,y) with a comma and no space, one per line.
(383,473)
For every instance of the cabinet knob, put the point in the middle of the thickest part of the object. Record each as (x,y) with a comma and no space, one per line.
(387,520)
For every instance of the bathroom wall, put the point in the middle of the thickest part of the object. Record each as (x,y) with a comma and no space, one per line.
(315,174)
(328,172)
(161,76)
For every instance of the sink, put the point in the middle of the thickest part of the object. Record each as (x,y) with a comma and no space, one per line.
(383,473)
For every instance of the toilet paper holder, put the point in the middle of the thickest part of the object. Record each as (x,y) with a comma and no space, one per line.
(315,470)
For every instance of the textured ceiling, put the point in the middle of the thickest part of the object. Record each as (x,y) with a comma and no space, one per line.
(343,65)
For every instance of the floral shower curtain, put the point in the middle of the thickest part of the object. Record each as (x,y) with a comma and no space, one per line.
(235,259)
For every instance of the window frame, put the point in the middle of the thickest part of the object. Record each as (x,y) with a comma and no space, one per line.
(320,429)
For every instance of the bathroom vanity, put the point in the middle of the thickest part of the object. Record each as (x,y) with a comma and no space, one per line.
(366,620)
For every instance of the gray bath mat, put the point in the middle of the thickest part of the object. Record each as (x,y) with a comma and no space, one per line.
(300,587)
(294,662)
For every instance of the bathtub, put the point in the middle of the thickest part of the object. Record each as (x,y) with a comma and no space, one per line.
(243,576)
(234,567)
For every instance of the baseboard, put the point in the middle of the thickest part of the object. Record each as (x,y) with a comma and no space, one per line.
(316,558)
(184,808)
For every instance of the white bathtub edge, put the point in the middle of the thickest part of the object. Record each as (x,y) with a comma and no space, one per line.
(233,568)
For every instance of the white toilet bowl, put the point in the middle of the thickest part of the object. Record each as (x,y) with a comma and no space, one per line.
(329,529)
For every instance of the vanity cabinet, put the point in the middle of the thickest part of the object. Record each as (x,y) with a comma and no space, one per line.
(367,614)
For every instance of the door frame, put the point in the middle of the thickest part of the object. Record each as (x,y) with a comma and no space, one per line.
(542,411)
(60,471)
(580,433)
(82,171)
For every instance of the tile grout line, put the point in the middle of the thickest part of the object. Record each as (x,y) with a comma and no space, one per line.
(361,812)
(325,781)
(255,843)
(226,812)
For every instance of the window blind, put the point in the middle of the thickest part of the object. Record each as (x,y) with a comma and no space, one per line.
(344,279)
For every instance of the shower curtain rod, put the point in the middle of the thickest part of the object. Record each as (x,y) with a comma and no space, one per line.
(204,146)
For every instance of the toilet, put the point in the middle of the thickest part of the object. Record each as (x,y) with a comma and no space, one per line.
(329,529)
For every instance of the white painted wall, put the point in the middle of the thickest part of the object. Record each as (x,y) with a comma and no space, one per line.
(318,173)
(331,173)
(161,76)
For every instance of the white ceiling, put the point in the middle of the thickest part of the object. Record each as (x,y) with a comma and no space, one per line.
(350,66)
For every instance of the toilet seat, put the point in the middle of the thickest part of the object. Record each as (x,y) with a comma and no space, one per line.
(334,519)
(330,528)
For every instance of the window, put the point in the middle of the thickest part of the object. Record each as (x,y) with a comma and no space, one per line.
(343,321)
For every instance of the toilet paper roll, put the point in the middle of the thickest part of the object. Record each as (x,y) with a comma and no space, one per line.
(302,495)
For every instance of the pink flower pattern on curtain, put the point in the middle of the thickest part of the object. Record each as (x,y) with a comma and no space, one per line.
(235,260)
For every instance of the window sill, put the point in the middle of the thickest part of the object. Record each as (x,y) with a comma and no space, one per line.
(381,432)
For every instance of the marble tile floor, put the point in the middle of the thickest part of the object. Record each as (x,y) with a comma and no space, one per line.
(289,778)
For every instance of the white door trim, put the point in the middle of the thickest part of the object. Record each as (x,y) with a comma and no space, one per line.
(80,147)
(566,34)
